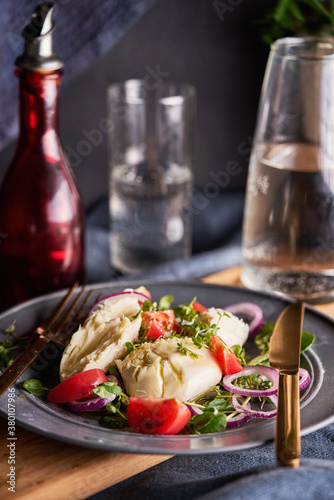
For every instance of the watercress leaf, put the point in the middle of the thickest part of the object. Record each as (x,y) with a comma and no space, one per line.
(262,339)
(11,330)
(207,422)
(111,408)
(165,302)
(5,344)
(113,422)
(198,421)
(220,403)
(129,346)
(106,388)
(216,424)
(306,341)
(6,353)
(34,386)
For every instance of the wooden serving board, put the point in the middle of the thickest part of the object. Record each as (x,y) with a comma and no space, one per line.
(49,469)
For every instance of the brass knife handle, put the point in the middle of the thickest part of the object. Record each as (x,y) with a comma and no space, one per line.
(288,421)
(21,363)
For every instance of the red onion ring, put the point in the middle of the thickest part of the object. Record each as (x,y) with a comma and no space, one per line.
(141,299)
(254,413)
(93,404)
(194,410)
(305,378)
(96,403)
(270,373)
(239,419)
(249,309)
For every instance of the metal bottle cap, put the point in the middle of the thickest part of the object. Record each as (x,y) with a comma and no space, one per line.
(38,53)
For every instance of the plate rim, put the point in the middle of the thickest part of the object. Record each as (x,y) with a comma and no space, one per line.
(170,451)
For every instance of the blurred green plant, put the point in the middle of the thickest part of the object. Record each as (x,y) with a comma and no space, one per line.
(298,18)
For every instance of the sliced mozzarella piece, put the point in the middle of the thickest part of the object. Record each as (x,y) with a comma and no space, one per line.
(100,341)
(159,369)
(232,330)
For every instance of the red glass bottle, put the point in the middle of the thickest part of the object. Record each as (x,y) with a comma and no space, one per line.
(41,214)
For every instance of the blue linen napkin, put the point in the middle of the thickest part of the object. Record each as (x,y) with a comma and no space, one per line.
(248,475)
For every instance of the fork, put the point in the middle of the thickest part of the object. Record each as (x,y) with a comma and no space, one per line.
(57,327)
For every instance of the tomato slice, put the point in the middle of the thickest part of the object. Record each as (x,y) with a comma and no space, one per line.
(156,330)
(227,360)
(158,323)
(77,387)
(157,415)
(198,307)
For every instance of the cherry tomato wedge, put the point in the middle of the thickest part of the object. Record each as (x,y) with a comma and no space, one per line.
(227,360)
(157,415)
(198,307)
(158,323)
(77,387)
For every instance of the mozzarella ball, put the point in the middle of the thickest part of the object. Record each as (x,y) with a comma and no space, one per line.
(161,369)
(100,341)
(231,329)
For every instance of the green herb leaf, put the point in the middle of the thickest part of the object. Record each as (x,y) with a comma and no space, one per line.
(207,422)
(198,342)
(149,306)
(11,330)
(115,408)
(105,389)
(296,18)
(186,312)
(113,422)
(240,353)
(306,341)
(34,386)
(220,403)
(112,370)
(111,408)
(129,346)
(165,302)
(6,355)
(185,351)
(262,339)
(6,347)
(261,359)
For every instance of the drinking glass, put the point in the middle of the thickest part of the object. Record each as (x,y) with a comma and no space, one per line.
(288,230)
(150,173)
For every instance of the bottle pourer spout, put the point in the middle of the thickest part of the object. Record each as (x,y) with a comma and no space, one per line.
(38,52)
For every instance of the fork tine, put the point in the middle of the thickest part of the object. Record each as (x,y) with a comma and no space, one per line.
(55,313)
(62,335)
(83,306)
(65,317)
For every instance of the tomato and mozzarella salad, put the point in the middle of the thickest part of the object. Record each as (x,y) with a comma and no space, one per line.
(157,368)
